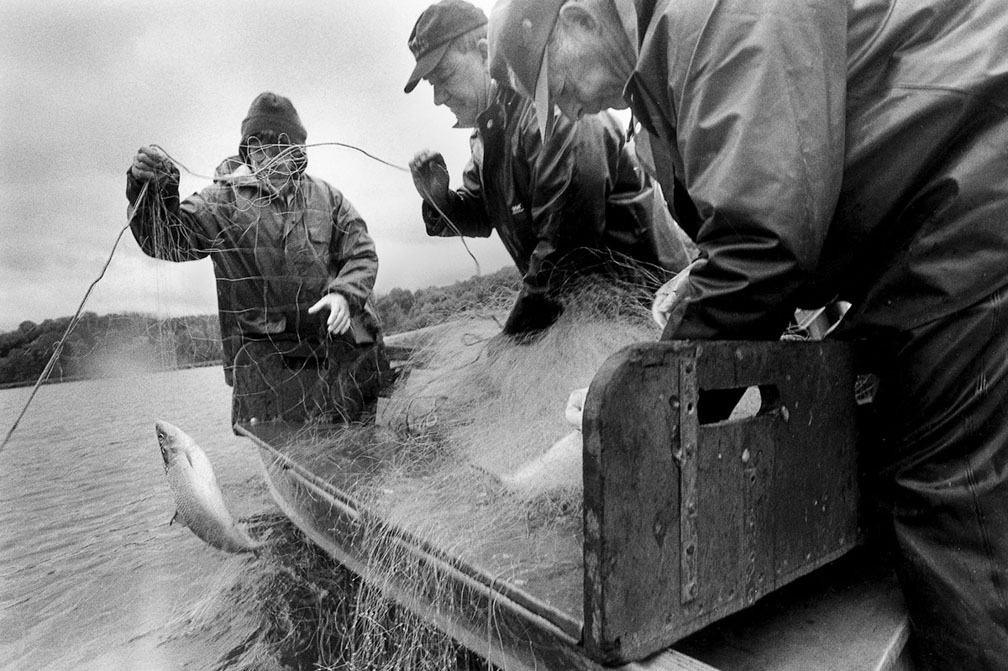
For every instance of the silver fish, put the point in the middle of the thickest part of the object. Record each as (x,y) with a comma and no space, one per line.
(198,500)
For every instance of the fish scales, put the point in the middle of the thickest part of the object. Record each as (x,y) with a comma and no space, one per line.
(198,499)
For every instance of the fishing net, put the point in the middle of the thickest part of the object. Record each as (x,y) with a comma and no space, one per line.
(276,240)
(428,463)
(429,481)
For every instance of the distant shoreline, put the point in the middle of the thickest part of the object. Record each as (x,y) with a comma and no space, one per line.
(93,341)
(80,378)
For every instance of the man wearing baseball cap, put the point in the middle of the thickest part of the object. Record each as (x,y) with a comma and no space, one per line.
(576,203)
(851,149)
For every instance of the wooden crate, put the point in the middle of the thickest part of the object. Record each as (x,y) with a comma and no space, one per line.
(686,522)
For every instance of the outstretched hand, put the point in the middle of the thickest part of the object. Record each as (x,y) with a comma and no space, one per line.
(339,312)
(669,297)
(430,177)
(151,164)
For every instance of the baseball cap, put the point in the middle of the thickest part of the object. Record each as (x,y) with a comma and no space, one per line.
(433,32)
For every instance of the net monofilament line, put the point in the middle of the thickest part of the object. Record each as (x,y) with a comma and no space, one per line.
(286,152)
(58,348)
(472,408)
(264,227)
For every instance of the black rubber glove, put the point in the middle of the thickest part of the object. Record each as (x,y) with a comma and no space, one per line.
(531,314)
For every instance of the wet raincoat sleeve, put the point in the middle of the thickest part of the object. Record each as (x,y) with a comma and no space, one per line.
(466,208)
(573,174)
(572,178)
(759,113)
(166,228)
(353,262)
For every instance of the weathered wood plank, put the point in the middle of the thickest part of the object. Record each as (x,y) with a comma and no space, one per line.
(848,616)
(632,546)
(837,619)
(763,500)
(685,522)
(484,608)
(670,660)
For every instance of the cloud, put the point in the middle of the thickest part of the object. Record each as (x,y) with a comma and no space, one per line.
(86,84)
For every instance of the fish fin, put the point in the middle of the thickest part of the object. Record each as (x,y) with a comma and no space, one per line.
(173,517)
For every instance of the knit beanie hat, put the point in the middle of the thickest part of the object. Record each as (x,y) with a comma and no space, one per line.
(272,112)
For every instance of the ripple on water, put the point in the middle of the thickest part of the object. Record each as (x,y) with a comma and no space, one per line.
(91,575)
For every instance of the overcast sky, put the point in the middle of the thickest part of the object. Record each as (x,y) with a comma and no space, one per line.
(85,84)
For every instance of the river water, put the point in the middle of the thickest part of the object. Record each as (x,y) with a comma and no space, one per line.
(91,574)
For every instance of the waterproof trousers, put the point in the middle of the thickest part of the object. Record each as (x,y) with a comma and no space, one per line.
(942,467)
(334,381)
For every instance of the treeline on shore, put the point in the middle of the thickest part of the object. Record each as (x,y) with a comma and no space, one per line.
(103,345)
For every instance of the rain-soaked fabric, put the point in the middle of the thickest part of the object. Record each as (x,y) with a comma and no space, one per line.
(824,149)
(858,149)
(332,381)
(942,463)
(274,256)
(577,204)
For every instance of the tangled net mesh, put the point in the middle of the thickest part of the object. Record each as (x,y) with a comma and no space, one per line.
(473,408)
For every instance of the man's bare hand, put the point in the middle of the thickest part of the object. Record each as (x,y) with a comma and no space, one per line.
(339,312)
(430,177)
(151,165)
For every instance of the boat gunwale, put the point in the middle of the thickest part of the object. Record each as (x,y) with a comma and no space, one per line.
(571,627)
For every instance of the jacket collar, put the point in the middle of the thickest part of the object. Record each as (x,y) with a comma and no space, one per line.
(501,97)
(629,13)
(635,15)
(644,10)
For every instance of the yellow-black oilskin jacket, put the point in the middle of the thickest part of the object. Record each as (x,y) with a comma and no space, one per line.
(820,149)
(273,257)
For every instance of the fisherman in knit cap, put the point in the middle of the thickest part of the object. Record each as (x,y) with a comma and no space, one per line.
(294,265)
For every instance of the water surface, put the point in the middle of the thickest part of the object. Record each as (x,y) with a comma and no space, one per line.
(91,574)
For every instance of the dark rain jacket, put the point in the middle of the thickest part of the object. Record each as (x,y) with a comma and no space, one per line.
(583,190)
(820,149)
(272,259)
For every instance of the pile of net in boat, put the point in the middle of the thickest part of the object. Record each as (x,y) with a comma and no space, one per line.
(474,459)
(470,409)
(475,410)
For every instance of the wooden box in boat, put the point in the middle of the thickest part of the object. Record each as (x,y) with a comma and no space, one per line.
(725,544)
